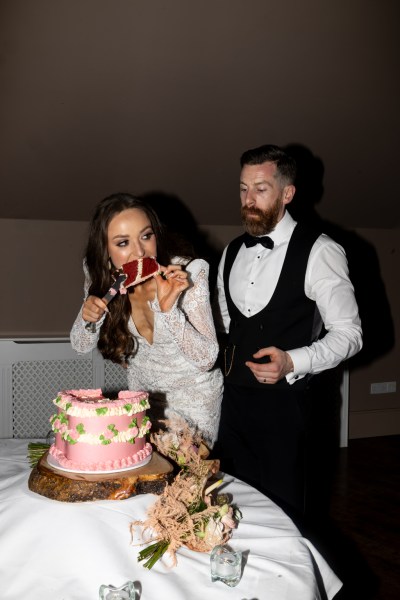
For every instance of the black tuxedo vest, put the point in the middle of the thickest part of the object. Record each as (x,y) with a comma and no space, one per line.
(287,321)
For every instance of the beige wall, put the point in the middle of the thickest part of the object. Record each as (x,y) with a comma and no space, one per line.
(41,276)
(42,281)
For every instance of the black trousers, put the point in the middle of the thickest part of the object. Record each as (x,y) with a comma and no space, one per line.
(262,440)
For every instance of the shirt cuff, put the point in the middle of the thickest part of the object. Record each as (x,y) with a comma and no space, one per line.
(301,365)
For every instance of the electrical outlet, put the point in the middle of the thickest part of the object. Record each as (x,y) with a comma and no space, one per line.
(385,387)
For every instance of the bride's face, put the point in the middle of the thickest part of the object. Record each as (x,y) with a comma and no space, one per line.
(130,236)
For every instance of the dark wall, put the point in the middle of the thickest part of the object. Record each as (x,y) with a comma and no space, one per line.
(101,96)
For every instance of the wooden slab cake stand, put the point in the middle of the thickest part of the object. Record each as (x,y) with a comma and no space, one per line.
(56,484)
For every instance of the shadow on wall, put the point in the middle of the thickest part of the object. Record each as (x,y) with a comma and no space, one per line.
(186,239)
(378,334)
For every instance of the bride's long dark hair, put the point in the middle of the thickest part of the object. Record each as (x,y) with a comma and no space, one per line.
(115,340)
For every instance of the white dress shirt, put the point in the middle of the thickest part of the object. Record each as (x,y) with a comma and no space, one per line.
(326,282)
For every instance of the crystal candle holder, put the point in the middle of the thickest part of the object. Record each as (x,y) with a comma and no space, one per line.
(226,565)
(127,591)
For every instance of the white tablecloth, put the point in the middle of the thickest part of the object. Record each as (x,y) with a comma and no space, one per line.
(51,550)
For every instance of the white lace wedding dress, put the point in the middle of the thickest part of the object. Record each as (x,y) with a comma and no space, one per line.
(177,369)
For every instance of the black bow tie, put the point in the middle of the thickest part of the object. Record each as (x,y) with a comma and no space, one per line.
(251,240)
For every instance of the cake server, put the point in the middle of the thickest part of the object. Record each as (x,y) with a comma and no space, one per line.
(112,292)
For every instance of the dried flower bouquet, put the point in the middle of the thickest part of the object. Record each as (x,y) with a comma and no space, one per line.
(189,512)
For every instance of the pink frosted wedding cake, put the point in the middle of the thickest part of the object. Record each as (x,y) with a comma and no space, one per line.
(93,433)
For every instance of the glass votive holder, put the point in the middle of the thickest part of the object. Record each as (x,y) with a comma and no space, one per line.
(127,591)
(226,565)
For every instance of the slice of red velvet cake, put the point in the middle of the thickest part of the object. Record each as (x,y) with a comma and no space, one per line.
(139,270)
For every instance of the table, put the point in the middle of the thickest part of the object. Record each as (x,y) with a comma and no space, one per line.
(52,550)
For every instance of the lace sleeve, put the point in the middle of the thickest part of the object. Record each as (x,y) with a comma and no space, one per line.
(82,340)
(190,321)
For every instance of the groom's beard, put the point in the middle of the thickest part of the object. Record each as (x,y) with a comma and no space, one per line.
(260,222)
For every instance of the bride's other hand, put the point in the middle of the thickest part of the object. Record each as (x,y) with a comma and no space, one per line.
(170,285)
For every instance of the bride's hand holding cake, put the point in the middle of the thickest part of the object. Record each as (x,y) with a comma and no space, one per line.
(171,282)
